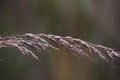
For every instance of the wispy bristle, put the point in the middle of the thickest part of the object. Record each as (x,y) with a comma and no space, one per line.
(38,41)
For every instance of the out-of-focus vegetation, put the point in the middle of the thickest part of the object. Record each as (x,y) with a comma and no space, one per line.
(96,21)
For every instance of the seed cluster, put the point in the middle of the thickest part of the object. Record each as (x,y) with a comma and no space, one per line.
(24,43)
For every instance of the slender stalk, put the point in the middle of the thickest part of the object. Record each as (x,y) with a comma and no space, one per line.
(27,42)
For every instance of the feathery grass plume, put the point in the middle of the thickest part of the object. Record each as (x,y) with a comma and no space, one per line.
(24,43)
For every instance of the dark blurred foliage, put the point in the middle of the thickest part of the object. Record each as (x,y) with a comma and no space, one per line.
(96,21)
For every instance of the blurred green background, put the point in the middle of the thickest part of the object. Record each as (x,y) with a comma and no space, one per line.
(96,21)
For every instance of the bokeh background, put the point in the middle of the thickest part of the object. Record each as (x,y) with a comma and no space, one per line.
(96,21)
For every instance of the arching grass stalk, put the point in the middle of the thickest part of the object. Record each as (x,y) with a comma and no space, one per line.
(26,42)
